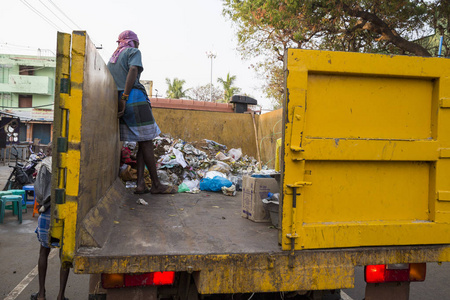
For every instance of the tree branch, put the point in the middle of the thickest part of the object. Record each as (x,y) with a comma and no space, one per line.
(377,25)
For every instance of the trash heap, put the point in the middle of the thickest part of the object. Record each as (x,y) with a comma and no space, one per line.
(203,165)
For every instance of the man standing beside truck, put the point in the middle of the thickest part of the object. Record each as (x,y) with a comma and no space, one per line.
(42,188)
(137,123)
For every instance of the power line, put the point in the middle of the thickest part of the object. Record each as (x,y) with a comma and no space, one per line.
(38,106)
(40,15)
(73,22)
(77,26)
(54,14)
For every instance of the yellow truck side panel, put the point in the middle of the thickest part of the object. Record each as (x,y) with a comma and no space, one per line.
(365,150)
(84,91)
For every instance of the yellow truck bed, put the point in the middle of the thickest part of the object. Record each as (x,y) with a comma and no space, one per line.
(360,185)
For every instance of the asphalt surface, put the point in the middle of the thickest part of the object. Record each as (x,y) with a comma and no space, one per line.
(19,252)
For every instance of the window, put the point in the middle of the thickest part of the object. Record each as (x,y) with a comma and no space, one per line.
(42,132)
(26,70)
(25,101)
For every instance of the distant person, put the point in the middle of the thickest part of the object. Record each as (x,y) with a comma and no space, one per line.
(42,188)
(137,123)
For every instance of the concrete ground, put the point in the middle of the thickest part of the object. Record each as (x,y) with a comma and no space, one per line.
(19,252)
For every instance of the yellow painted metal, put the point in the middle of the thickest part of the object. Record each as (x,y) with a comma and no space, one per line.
(267,272)
(370,133)
(67,212)
(69,128)
(62,76)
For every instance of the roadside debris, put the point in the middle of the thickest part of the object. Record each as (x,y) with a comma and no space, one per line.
(141,201)
(204,165)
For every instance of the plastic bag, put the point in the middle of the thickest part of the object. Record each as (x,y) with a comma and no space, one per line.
(235,153)
(191,184)
(128,174)
(182,188)
(164,178)
(221,167)
(212,174)
(214,184)
(169,160)
(221,156)
(229,191)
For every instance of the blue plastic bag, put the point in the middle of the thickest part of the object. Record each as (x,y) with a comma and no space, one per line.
(214,184)
(261,176)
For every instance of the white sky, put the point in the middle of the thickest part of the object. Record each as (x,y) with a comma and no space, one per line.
(174,36)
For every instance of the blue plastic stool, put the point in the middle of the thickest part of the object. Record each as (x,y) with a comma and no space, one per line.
(29,188)
(16,201)
(24,198)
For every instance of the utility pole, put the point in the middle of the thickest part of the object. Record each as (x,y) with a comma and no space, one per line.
(211,55)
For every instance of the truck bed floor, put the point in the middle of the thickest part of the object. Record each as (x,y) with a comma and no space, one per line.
(184,224)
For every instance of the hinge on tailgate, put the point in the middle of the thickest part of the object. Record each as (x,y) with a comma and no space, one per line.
(62,144)
(293,235)
(64,85)
(297,129)
(60,195)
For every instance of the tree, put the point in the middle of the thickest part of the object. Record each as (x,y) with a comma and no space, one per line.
(266,28)
(175,89)
(228,89)
(202,93)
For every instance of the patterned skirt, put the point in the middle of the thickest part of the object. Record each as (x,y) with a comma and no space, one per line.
(138,124)
(42,230)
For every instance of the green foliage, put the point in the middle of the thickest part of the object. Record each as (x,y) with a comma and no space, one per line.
(175,89)
(266,28)
(228,89)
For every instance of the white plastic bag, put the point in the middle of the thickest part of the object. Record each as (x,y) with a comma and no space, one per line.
(212,174)
(235,153)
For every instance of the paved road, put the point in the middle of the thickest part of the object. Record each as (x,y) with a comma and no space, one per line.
(19,251)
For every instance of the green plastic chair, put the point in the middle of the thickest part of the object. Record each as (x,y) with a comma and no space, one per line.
(10,206)
(16,201)
(24,199)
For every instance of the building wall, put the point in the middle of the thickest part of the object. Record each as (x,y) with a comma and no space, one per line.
(40,85)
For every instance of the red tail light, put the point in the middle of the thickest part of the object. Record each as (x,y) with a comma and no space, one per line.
(395,273)
(111,281)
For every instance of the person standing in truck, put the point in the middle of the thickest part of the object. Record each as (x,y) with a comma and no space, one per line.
(42,188)
(137,123)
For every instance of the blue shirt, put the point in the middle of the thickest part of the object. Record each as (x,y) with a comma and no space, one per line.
(119,70)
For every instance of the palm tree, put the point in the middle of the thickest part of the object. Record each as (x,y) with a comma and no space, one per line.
(228,89)
(175,89)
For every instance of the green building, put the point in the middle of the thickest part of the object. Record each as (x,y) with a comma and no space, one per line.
(27,85)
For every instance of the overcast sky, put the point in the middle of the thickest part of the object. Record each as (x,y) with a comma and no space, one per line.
(174,36)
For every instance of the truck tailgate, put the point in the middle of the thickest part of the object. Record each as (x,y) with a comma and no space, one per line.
(366,150)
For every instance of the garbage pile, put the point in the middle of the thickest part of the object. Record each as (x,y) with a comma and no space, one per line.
(204,165)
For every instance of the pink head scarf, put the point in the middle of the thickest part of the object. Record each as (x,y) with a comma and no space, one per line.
(125,40)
